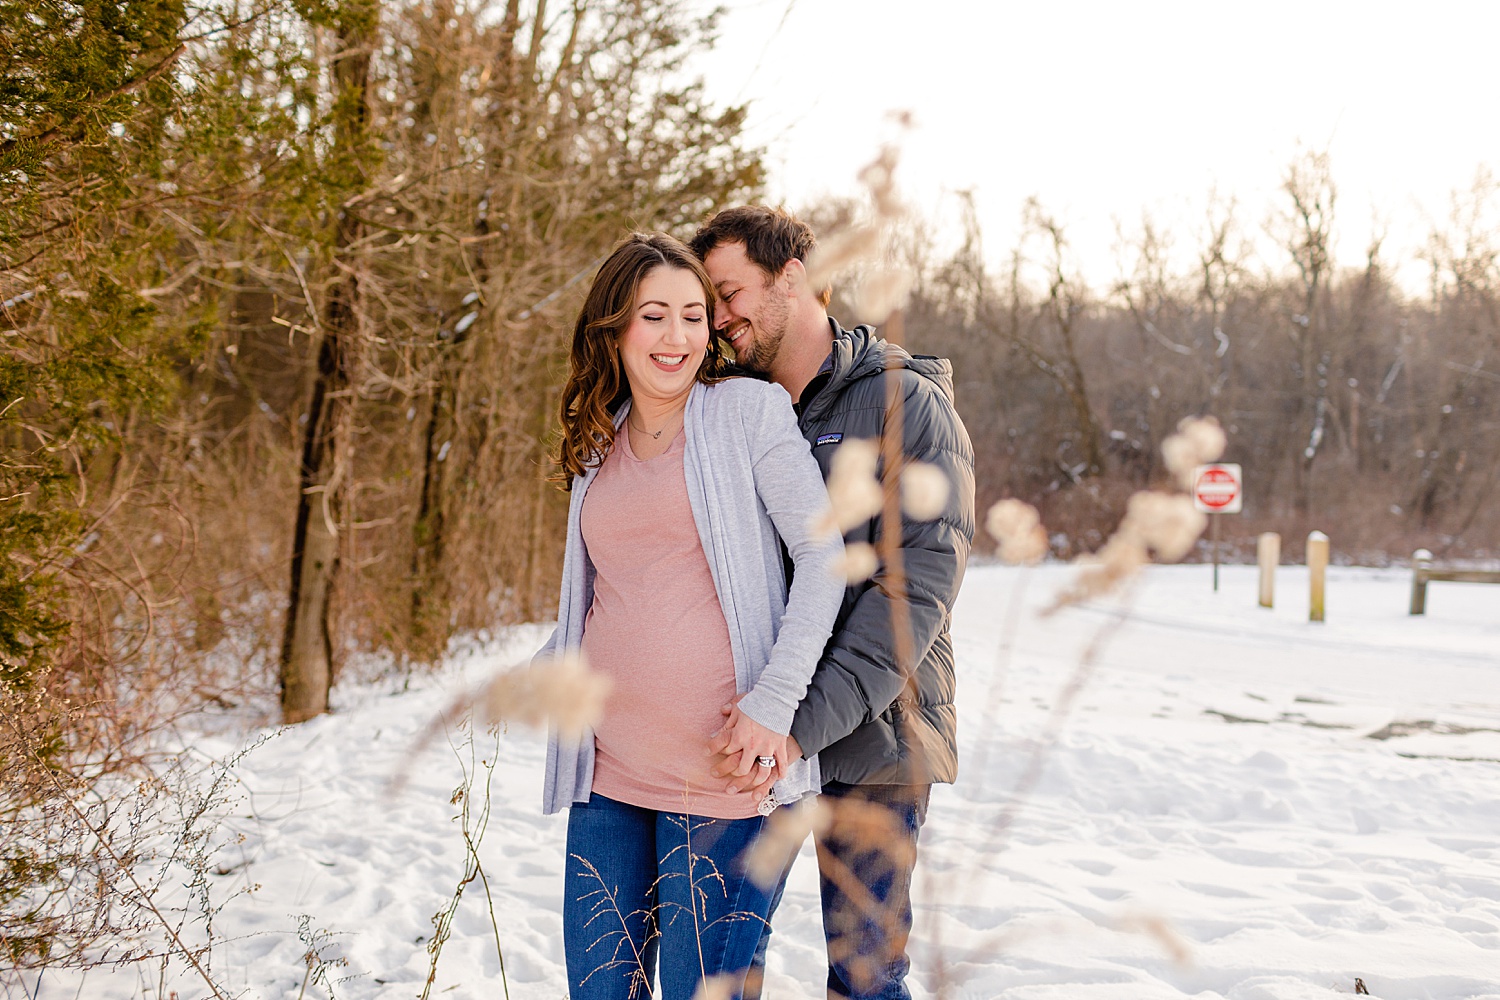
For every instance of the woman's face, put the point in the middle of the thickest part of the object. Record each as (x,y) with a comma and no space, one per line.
(663,344)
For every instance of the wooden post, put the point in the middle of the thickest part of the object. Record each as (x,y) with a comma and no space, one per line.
(1317,572)
(1268,554)
(1421,564)
(1214,543)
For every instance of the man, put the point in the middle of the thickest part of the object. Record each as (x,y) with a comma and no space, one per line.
(884,730)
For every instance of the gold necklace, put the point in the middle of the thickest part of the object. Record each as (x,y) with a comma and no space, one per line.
(657,435)
(654,437)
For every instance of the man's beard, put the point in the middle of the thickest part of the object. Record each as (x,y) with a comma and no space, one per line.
(762,351)
(769,332)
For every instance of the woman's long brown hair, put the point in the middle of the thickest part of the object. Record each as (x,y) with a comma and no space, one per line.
(596,384)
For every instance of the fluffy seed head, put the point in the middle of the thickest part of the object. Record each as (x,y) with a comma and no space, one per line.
(882,292)
(924,491)
(879,178)
(562,691)
(1167,523)
(858,563)
(1198,441)
(1017,527)
(840,251)
(853,490)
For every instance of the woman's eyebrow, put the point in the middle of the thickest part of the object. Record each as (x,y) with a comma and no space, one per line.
(668,305)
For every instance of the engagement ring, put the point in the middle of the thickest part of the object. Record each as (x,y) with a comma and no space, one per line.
(766,761)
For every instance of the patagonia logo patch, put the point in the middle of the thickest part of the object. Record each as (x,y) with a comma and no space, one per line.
(828,439)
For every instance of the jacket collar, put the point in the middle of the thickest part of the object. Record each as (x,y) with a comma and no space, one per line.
(860,353)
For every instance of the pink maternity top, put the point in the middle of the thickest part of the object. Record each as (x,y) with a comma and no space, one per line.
(656,628)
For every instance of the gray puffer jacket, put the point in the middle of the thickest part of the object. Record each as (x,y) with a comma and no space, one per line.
(867,722)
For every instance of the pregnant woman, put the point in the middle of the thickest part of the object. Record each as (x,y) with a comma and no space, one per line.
(686,483)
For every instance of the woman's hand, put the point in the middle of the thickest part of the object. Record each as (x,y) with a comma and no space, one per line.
(763,788)
(740,743)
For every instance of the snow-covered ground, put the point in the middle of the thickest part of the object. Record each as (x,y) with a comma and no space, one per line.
(1239,804)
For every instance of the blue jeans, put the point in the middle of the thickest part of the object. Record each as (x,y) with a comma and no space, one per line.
(865,864)
(645,888)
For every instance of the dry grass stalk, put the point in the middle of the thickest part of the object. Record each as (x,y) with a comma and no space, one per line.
(870,826)
(561,691)
(871,831)
(473,825)
(1155,522)
(125,845)
(915,489)
(1164,524)
(720,987)
(882,291)
(856,494)
(782,837)
(879,175)
(606,904)
(893,457)
(1159,929)
(1168,524)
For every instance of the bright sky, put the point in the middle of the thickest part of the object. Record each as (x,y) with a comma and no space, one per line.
(1106,110)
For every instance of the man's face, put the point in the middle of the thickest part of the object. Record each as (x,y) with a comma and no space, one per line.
(753,311)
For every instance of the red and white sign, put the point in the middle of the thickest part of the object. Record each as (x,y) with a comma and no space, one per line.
(1218,489)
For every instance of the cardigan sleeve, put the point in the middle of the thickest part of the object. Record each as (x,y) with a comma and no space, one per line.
(790,488)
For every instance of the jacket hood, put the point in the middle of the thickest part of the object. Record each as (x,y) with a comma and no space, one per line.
(860,353)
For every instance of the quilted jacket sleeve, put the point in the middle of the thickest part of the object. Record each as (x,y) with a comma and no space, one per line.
(859,676)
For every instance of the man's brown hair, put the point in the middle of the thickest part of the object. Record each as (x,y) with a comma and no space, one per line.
(596,384)
(771,236)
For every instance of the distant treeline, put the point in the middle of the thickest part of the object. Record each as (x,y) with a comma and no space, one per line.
(1354,408)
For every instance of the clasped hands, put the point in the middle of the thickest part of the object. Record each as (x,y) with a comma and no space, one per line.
(739,743)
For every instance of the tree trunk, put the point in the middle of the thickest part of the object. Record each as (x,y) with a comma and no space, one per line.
(307,648)
(429,596)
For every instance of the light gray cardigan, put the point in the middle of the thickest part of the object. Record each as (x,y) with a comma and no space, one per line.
(751,479)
